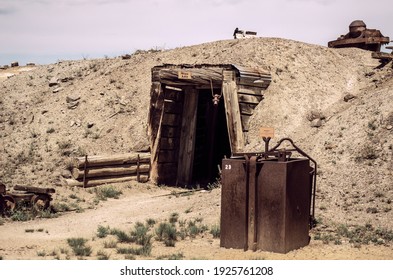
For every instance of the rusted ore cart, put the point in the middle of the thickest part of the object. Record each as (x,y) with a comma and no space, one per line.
(37,198)
(268,200)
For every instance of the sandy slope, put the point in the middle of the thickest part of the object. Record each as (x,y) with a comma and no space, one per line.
(354,146)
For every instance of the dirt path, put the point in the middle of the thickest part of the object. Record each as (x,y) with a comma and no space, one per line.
(49,236)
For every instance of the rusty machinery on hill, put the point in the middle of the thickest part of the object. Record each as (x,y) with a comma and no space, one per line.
(359,36)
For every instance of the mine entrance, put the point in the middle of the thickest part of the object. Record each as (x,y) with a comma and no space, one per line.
(211,138)
(198,115)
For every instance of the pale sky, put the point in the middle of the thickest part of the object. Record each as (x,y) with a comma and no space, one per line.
(45,31)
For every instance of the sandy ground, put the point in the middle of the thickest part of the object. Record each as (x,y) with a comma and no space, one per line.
(49,238)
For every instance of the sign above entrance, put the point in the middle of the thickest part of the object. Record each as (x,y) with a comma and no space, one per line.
(184,75)
(267,132)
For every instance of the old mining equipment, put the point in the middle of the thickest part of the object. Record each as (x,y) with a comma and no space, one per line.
(268,199)
(359,36)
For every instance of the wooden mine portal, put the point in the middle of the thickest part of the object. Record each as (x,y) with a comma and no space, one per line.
(199,115)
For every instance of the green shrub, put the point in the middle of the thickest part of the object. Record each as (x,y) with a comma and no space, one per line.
(140,234)
(215,231)
(79,247)
(102,231)
(103,193)
(167,233)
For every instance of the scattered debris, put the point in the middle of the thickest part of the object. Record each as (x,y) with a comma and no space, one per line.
(126,56)
(241,34)
(53,82)
(72,101)
(57,89)
(349,97)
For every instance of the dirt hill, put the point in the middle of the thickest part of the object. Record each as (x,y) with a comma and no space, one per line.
(334,103)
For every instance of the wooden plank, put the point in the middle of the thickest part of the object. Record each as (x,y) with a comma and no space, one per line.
(171,119)
(187,138)
(172,95)
(246,109)
(34,189)
(107,180)
(249,99)
(167,173)
(232,111)
(249,90)
(245,119)
(116,170)
(117,159)
(251,82)
(155,116)
(198,76)
(381,55)
(167,156)
(173,107)
(170,132)
(169,143)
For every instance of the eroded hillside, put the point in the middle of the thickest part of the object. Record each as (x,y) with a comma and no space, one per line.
(100,106)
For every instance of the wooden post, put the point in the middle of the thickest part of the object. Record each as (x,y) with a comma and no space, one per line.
(187,136)
(137,170)
(155,120)
(85,172)
(234,123)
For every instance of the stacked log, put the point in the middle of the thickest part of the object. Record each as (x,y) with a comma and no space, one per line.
(91,171)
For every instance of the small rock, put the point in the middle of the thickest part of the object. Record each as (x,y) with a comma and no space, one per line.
(315,115)
(44,111)
(316,123)
(72,123)
(71,99)
(90,124)
(72,105)
(57,89)
(30,64)
(126,56)
(349,97)
(53,82)
(66,174)
(389,127)
(15,64)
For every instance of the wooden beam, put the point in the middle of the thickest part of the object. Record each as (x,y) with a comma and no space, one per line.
(232,111)
(115,170)
(191,76)
(155,119)
(107,160)
(187,138)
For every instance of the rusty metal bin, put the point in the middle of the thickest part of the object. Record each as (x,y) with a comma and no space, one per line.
(267,201)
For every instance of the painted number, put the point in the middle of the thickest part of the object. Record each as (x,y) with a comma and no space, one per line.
(228,166)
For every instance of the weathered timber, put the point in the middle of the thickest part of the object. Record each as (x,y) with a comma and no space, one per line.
(187,141)
(193,76)
(172,107)
(169,143)
(167,156)
(112,160)
(91,182)
(382,55)
(171,119)
(34,189)
(246,109)
(245,122)
(105,171)
(249,90)
(231,102)
(250,99)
